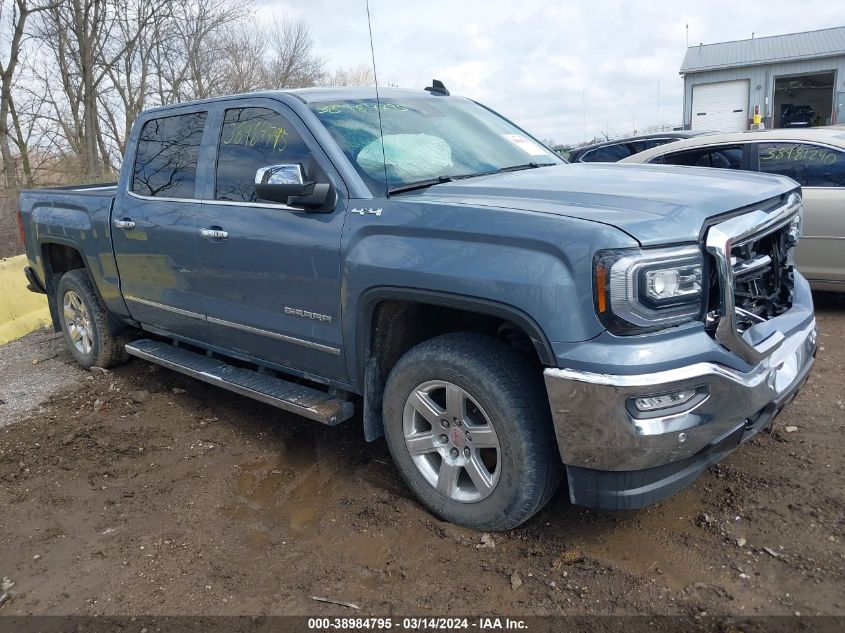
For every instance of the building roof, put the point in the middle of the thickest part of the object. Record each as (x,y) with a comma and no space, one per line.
(765,50)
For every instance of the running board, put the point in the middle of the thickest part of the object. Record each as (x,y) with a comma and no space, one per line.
(304,401)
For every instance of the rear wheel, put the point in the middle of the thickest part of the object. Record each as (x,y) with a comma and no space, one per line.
(85,322)
(467,423)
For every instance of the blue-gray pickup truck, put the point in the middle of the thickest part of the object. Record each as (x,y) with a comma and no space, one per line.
(502,318)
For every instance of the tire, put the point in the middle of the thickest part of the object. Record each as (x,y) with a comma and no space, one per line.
(85,322)
(499,388)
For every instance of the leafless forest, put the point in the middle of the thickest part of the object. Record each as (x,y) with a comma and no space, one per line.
(74,74)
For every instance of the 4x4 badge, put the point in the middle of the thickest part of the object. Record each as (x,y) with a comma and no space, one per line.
(363,211)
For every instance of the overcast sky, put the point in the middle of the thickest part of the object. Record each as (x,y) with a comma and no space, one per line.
(563,70)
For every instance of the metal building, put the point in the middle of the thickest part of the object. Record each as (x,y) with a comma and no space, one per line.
(793,80)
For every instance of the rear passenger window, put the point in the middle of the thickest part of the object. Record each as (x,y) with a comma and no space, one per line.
(166,160)
(607,154)
(252,138)
(727,157)
(657,142)
(808,165)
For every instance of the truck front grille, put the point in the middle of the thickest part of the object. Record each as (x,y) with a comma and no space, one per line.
(763,277)
(752,275)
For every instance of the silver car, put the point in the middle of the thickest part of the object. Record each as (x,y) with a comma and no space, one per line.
(815,158)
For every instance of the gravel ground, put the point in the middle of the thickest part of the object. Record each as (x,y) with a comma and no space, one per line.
(33,369)
(140,491)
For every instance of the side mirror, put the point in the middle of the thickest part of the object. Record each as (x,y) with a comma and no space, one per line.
(277,183)
(287,184)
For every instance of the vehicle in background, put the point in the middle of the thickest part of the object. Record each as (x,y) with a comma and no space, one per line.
(797,116)
(814,158)
(615,150)
(495,313)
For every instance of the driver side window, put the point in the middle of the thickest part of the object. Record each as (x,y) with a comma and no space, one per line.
(252,138)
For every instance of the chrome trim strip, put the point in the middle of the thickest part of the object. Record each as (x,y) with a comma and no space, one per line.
(281,337)
(259,205)
(162,306)
(228,203)
(132,194)
(721,239)
(103,188)
(238,326)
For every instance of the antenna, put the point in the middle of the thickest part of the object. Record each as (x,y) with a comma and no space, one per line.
(378,101)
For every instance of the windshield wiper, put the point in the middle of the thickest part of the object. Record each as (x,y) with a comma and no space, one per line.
(423,184)
(525,166)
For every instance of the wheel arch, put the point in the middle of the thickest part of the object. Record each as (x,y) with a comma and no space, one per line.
(58,256)
(409,310)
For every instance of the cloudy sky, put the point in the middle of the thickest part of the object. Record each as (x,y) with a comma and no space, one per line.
(564,70)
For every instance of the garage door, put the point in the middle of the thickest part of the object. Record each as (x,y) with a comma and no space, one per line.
(721,106)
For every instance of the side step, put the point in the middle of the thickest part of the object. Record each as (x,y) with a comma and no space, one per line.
(304,401)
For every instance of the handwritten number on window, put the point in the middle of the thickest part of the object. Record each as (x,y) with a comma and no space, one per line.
(258,132)
(798,153)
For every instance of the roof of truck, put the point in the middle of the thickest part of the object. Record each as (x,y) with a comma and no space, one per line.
(312,95)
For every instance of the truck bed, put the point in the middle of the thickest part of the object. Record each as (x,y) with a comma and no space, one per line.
(77,219)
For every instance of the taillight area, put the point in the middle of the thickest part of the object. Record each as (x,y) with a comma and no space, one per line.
(20,228)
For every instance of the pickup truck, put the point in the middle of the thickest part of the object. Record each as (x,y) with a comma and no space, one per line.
(502,318)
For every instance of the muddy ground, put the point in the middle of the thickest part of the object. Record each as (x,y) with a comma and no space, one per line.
(141,491)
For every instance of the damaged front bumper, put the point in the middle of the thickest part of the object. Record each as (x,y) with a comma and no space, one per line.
(620,457)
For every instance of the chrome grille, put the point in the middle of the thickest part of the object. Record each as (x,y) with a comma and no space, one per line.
(753,275)
(762,270)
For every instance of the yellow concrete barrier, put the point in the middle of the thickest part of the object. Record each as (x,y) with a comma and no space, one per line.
(21,311)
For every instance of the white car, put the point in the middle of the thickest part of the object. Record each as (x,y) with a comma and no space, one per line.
(814,158)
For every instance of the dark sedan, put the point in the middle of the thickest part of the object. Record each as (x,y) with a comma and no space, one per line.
(616,150)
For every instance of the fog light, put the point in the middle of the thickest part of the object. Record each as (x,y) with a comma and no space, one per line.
(665,400)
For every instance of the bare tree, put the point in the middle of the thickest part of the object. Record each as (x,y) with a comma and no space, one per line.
(293,63)
(190,49)
(360,75)
(128,66)
(244,53)
(14,17)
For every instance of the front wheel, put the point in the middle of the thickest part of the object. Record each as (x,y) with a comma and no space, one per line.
(467,423)
(85,322)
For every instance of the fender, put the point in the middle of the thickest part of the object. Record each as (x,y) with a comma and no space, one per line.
(369,373)
(370,298)
(86,230)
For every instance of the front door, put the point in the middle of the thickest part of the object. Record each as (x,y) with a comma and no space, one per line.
(154,226)
(270,273)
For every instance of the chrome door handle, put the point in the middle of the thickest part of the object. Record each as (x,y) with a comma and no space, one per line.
(125,223)
(214,234)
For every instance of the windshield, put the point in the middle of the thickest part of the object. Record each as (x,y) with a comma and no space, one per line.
(427,139)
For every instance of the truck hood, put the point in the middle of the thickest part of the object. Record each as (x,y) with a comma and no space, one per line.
(655,204)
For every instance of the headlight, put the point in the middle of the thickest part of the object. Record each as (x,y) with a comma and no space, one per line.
(645,290)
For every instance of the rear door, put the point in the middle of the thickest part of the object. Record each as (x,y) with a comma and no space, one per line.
(154,224)
(820,171)
(270,273)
